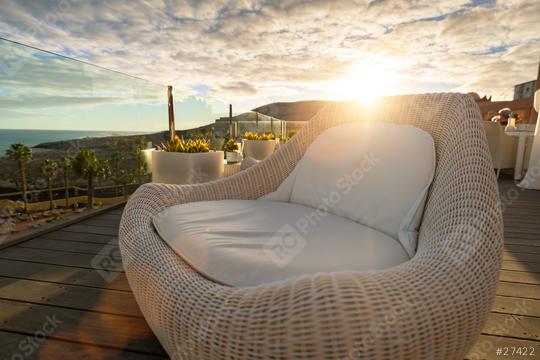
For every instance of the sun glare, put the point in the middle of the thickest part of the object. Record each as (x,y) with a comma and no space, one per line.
(365,84)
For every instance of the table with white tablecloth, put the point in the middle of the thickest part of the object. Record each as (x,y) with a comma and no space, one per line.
(520,154)
(532,177)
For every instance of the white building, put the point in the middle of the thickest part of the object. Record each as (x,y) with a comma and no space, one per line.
(524,90)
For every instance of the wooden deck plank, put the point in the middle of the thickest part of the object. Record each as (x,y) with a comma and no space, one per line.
(522,249)
(518,265)
(112,331)
(521,227)
(514,220)
(514,326)
(116,211)
(518,290)
(88,261)
(113,223)
(104,220)
(63,275)
(35,348)
(67,246)
(515,225)
(515,305)
(522,236)
(520,277)
(73,236)
(70,296)
(523,257)
(520,241)
(92,229)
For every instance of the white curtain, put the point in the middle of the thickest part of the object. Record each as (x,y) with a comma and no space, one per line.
(532,177)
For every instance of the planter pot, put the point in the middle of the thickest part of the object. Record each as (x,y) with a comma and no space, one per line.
(186,168)
(259,149)
(233,156)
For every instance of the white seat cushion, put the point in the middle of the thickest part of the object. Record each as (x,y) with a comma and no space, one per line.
(377,174)
(252,242)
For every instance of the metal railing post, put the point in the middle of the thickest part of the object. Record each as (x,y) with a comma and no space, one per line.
(231,129)
(170,100)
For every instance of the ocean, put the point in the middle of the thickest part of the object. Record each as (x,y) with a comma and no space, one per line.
(35,137)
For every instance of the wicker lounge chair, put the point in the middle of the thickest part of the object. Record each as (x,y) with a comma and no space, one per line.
(431,307)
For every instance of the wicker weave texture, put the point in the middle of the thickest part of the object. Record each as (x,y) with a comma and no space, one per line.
(432,307)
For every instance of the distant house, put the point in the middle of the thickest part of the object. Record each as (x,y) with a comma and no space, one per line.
(522,107)
(524,90)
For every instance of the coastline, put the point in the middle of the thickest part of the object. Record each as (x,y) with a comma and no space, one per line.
(37,137)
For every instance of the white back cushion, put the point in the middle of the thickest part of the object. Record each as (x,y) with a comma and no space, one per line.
(376,174)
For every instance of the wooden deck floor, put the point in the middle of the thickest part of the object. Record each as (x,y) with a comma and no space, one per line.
(60,285)
(515,317)
(56,287)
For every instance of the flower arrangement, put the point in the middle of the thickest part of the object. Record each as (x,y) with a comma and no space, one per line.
(248,135)
(285,138)
(177,144)
(231,145)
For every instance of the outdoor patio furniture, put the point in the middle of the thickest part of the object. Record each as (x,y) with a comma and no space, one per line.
(502,147)
(431,307)
(524,137)
(532,178)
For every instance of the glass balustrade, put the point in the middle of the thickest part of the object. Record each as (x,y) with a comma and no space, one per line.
(74,136)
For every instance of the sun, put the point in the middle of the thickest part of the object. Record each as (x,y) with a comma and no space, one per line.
(365,83)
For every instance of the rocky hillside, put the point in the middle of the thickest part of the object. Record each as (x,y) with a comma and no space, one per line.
(293,111)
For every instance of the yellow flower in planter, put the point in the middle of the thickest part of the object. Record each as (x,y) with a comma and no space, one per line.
(231,145)
(177,144)
(248,135)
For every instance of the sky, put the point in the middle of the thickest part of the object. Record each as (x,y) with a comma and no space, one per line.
(250,53)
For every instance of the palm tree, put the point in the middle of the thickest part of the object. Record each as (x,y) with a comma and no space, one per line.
(21,154)
(117,158)
(87,164)
(66,164)
(124,178)
(103,170)
(140,160)
(49,169)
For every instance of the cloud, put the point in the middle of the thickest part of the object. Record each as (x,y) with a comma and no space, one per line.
(239,88)
(250,50)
